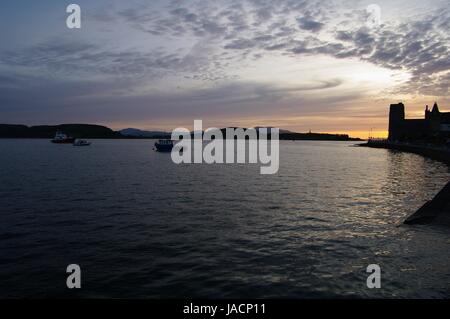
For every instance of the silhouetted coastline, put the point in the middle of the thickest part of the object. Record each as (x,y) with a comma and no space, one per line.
(103,132)
(48,131)
(434,151)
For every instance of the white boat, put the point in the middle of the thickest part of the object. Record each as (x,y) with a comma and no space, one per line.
(81,143)
(61,138)
(164,145)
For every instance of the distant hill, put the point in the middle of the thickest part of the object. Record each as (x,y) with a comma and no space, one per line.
(288,135)
(98,131)
(48,131)
(317,137)
(269,127)
(12,130)
(134,132)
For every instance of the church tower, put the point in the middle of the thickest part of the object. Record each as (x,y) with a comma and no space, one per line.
(427,113)
(435,119)
(435,109)
(396,119)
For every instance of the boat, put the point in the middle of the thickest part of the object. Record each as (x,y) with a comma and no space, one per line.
(61,138)
(81,143)
(164,145)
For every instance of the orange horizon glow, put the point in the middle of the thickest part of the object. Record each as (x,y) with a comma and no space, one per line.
(362,134)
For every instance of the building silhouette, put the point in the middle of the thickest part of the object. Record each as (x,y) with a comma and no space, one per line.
(435,125)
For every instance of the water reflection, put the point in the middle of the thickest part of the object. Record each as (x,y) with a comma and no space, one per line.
(142,226)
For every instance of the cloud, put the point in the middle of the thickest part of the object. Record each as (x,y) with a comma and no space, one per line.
(209,45)
(307,23)
(75,57)
(420,47)
(103,100)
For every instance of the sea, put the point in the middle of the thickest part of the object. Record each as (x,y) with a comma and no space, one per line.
(140,226)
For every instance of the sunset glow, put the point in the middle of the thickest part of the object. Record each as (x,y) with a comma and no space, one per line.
(301,66)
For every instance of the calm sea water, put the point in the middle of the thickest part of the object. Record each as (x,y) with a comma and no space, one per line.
(141,226)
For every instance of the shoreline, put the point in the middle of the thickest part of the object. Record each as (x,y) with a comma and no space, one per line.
(165,137)
(437,210)
(102,132)
(441,154)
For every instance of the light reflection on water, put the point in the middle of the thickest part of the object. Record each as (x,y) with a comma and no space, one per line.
(141,226)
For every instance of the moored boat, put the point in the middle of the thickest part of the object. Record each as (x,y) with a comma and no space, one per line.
(81,143)
(164,145)
(61,138)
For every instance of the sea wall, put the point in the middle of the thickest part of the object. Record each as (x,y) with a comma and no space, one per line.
(436,210)
(434,152)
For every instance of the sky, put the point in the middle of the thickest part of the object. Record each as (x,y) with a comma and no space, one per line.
(157,65)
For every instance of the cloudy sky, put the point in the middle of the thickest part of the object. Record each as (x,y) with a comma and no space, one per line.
(295,64)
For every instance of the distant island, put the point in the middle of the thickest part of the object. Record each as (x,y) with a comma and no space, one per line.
(48,131)
(317,137)
(103,132)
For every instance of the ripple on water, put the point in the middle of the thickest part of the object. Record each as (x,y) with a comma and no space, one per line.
(141,226)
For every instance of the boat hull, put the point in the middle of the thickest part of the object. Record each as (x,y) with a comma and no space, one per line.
(163,147)
(65,141)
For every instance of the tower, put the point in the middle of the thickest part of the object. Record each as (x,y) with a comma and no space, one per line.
(427,113)
(435,108)
(396,119)
(435,119)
